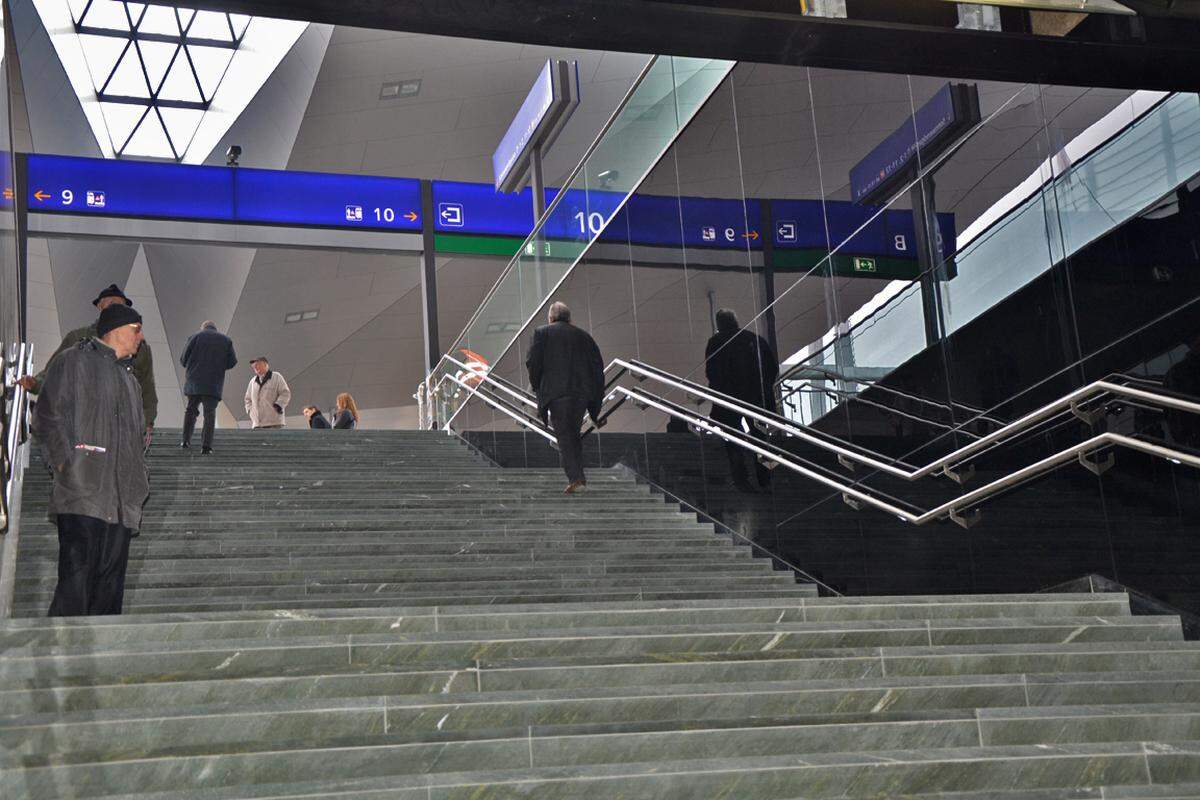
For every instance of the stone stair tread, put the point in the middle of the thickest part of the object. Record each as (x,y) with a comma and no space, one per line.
(420,634)
(821,775)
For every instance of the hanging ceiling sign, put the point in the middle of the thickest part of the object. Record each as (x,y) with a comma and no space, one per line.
(541,117)
(919,140)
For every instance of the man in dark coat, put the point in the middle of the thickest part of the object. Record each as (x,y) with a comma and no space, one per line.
(90,423)
(142,363)
(567,373)
(207,356)
(741,364)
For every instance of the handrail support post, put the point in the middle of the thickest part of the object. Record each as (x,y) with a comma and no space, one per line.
(1098,466)
(959,476)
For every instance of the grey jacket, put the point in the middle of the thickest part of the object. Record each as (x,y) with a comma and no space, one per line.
(90,422)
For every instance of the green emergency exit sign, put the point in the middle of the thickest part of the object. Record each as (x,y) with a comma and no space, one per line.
(865,265)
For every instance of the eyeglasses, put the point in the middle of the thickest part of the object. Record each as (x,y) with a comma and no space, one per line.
(137,327)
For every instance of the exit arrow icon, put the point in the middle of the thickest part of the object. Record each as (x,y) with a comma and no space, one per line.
(8,194)
(41,196)
(411,216)
(752,235)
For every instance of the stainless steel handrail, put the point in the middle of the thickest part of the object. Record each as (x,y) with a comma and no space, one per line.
(952,509)
(488,378)
(853,492)
(841,395)
(944,465)
(833,374)
(493,402)
(14,424)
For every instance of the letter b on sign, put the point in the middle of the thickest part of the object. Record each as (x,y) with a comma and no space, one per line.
(901,242)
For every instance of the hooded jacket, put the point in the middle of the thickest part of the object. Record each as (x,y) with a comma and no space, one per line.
(90,424)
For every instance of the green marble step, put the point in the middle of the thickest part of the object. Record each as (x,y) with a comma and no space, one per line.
(397,542)
(521,660)
(461,555)
(485,574)
(531,771)
(262,504)
(176,736)
(446,588)
(302,533)
(272,624)
(444,569)
(38,607)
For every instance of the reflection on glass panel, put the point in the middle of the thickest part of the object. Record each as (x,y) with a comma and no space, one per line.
(667,97)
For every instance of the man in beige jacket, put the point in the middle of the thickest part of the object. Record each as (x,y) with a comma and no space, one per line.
(267,396)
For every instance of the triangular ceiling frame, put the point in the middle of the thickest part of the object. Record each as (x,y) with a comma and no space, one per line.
(170,58)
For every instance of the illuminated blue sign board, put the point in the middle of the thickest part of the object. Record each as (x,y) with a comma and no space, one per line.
(531,115)
(222,194)
(800,224)
(690,221)
(130,188)
(934,126)
(326,200)
(475,208)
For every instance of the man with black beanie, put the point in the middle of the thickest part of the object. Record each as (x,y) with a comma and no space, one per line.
(143,363)
(90,424)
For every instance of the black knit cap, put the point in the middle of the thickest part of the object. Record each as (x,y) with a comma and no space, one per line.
(114,317)
(112,291)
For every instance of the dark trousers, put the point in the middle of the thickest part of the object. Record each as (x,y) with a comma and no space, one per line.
(92,557)
(738,456)
(566,417)
(210,418)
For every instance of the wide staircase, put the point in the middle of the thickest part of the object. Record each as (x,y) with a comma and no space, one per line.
(385,615)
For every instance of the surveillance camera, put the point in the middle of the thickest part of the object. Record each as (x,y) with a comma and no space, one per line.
(232,155)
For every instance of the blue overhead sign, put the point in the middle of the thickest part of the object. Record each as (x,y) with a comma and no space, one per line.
(130,188)
(327,200)
(689,221)
(222,194)
(460,207)
(525,126)
(857,230)
(934,126)
(475,208)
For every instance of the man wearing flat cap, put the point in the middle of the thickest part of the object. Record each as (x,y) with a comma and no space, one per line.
(90,424)
(143,364)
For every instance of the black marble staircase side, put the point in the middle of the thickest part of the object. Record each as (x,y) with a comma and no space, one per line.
(1039,535)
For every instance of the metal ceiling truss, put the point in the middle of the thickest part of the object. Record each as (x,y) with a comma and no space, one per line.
(144,27)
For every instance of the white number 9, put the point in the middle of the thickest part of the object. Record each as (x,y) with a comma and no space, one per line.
(68,197)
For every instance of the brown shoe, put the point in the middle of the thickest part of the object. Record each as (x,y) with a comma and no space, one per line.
(574,487)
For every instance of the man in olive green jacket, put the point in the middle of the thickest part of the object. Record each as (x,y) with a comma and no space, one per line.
(143,363)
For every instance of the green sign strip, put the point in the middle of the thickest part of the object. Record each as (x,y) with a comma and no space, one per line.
(846,266)
(507,246)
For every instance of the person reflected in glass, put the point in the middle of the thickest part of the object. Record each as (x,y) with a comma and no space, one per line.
(316,420)
(741,364)
(1184,378)
(345,416)
(566,372)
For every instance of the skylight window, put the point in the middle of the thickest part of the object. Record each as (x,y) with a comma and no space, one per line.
(162,81)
